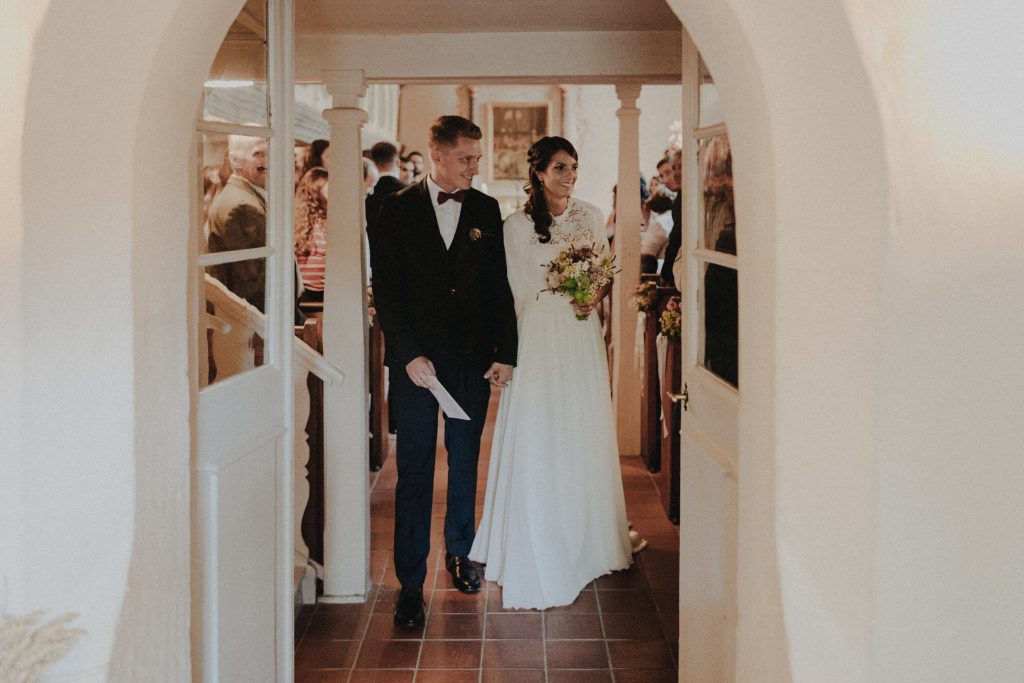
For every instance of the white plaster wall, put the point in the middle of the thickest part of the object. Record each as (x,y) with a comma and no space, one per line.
(154,626)
(104,456)
(18,24)
(880,462)
(949,592)
(418,106)
(814,206)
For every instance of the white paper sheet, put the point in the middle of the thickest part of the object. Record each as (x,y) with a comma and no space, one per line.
(448,404)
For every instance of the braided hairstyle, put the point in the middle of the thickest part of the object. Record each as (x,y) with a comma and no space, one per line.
(539,158)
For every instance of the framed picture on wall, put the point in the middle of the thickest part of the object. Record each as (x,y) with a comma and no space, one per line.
(513,128)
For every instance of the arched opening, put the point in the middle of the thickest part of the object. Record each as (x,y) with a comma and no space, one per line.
(128,115)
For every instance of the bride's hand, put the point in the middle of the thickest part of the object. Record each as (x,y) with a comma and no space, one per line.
(582,309)
(499,374)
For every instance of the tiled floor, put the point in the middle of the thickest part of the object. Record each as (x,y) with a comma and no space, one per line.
(623,627)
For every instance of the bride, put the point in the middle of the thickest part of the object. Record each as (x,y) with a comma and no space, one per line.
(554,514)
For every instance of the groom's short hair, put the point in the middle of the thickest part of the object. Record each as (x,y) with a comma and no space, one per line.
(446,130)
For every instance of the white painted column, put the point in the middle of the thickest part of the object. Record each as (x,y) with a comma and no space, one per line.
(346,406)
(626,383)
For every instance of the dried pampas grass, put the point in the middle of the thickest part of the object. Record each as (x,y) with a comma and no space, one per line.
(28,647)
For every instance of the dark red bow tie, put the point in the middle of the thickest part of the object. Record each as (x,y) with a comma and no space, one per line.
(458,196)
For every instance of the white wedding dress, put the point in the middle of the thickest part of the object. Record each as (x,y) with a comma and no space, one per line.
(554,514)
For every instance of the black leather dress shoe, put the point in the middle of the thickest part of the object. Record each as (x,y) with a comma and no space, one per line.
(409,608)
(464,574)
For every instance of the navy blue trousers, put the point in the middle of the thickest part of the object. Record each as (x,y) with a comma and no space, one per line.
(417,422)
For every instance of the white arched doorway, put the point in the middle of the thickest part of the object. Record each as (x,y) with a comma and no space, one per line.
(778,112)
(117,238)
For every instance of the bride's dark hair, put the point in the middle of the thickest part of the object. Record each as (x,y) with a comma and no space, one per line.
(539,157)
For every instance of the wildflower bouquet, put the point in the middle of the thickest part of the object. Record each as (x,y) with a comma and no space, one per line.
(671,321)
(578,273)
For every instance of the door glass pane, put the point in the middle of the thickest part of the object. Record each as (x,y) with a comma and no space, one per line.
(234,200)
(232,327)
(715,165)
(719,322)
(236,89)
(710,112)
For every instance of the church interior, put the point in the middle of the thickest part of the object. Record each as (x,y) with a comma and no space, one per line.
(816,402)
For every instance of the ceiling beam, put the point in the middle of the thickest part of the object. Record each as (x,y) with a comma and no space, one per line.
(514,57)
(250,21)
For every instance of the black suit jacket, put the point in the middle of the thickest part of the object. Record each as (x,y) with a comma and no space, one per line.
(675,240)
(454,305)
(386,185)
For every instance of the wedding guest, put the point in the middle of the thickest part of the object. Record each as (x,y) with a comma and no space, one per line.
(554,515)
(212,185)
(300,151)
(318,154)
(370,176)
(445,308)
(653,231)
(310,213)
(612,217)
(417,165)
(406,170)
(238,218)
(385,158)
(672,176)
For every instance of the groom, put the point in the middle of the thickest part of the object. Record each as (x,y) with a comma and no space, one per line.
(444,305)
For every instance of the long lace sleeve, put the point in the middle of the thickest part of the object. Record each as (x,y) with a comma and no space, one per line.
(516,226)
(597,225)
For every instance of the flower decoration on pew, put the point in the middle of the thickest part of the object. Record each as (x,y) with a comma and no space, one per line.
(671,321)
(579,272)
(645,296)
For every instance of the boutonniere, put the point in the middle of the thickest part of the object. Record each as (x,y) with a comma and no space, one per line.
(475,234)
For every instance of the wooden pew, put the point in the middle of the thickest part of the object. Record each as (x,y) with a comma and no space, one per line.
(650,393)
(313,516)
(671,380)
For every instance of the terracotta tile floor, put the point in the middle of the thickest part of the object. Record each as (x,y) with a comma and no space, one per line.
(623,627)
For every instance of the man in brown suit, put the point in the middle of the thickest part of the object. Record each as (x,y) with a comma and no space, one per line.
(238,218)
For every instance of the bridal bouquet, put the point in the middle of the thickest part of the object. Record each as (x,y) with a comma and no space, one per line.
(578,273)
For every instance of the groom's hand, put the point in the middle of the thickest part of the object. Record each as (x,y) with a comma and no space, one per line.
(420,369)
(499,374)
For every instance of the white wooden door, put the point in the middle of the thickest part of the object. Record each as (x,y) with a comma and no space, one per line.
(710,403)
(242,460)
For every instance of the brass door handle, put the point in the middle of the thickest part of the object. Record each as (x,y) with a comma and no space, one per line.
(684,397)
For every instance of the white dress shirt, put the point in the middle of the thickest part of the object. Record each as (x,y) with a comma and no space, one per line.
(447,213)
